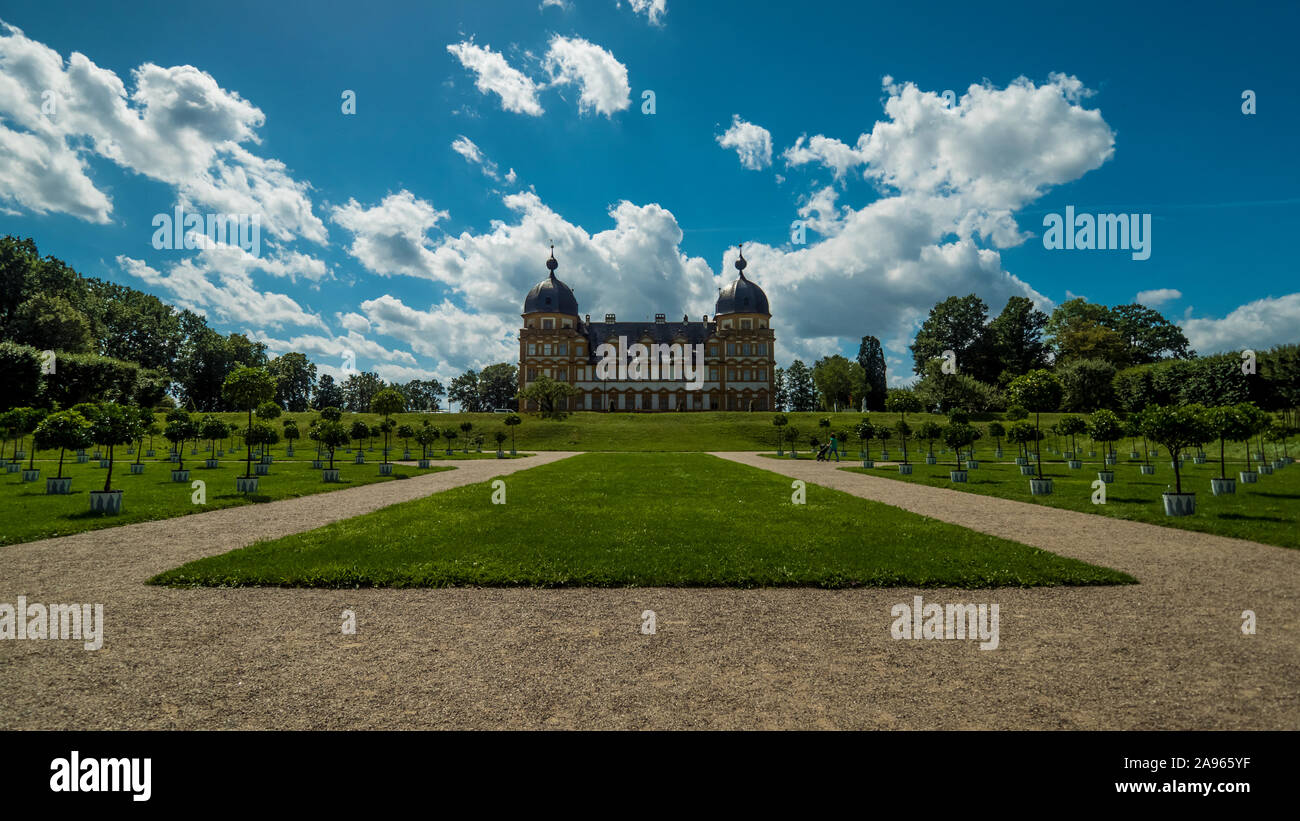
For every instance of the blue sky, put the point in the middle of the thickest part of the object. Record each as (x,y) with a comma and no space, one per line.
(380,238)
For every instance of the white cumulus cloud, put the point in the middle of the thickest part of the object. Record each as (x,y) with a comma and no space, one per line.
(753,143)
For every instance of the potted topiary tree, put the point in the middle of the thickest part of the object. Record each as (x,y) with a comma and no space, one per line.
(114,425)
(290,436)
(928,432)
(65,430)
(311,434)
(31,421)
(264,437)
(1254,421)
(149,426)
(406,432)
(512,421)
(426,437)
(465,428)
(971,462)
(866,432)
(792,436)
(780,421)
(359,430)
(1277,433)
(1224,423)
(1040,392)
(1104,426)
(180,429)
(1176,428)
(246,389)
(958,436)
(500,438)
(386,403)
(883,435)
(267,412)
(212,428)
(904,430)
(998,433)
(1071,426)
(450,435)
(331,434)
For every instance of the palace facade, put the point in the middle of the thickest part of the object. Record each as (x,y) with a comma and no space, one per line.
(737,343)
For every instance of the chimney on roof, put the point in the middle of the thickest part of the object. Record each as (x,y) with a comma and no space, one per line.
(685,319)
(660,319)
(609,319)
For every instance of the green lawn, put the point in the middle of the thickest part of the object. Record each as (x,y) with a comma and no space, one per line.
(1268,511)
(30,514)
(640,520)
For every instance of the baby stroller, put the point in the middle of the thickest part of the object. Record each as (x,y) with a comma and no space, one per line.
(822,451)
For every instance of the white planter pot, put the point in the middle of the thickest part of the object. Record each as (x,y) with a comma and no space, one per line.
(106,501)
(180,475)
(262,470)
(1075,464)
(211,463)
(1179,504)
(137,468)
(1040,487)
(1223,487)
(972,464)
(386,469)
(246,484)
(1028,470)
(1248,477)
(31,475)
(55,486)
(905,470)
(930,460)
(868,463)
(1147,470)
(957,475)
(1106,476)
(328,475)
(424,463)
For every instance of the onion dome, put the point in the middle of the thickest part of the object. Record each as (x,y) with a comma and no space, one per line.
(551,296)
(741,296)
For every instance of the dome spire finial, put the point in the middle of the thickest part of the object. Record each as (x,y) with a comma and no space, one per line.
(740,263)
(551,263)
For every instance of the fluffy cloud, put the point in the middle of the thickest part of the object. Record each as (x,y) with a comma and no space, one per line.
(495,75)
(177,126)
(753,143)
(1256,325)
(1158,296)
(329,353)
(473,155)
(601,79)
(218,283)
(654,10)
(392,237)
(825,151)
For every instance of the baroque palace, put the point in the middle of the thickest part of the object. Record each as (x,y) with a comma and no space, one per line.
(738,349)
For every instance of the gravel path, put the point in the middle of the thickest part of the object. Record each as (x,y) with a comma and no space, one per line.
(1167,653)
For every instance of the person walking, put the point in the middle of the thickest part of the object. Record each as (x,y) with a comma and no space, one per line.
(835,449)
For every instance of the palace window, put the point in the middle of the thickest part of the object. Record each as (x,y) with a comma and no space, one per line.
(762,374)
(562,349)
(744,349)
(532,374)
(713,350)
(731,349)
(726,324)
(546,350)
(713,374)
(532,349)
(762,349)
(562,374)
(582,374)
(746,324)
(568,323)
(548,324)
(745,375)
(731,374)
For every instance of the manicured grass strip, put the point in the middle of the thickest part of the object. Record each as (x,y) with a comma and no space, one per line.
(30,514)
(1268,511)
(614,520)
